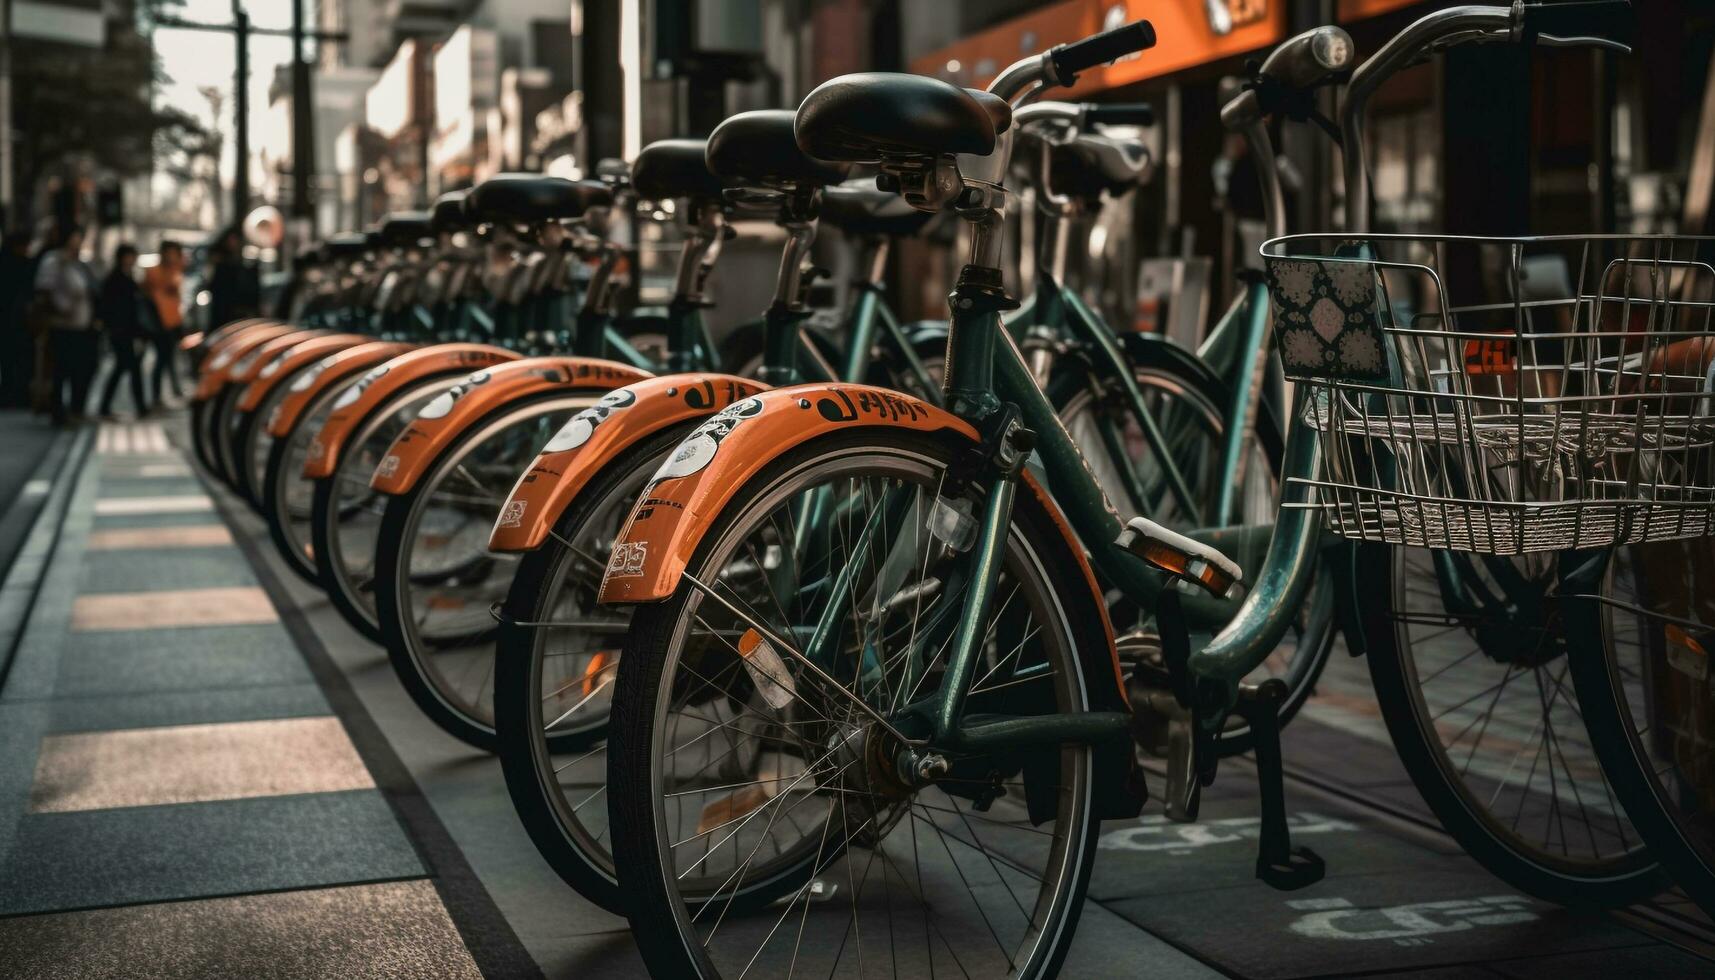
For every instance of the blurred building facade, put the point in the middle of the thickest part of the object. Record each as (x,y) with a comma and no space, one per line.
(442,93)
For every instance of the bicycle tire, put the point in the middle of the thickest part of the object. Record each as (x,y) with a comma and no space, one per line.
(526,757)
(332,572)
(284,467)
(659,917)
(400,522)
(1679,828)
(1627,876)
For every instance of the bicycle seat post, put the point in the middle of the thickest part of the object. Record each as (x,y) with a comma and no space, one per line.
(787,310)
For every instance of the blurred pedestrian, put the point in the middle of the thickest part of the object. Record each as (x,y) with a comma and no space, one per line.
(165,284)
(65,307)
(17,347)
(232,286)
(126,317)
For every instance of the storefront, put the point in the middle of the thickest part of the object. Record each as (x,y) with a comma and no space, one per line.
(1484,140)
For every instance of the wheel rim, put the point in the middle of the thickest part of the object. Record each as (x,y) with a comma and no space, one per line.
(452,579)
(573,668)
(355,510)
(1501,721)
(1663,688)
(294,496)
(861,872)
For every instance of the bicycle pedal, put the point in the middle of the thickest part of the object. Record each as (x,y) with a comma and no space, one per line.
(1181,557)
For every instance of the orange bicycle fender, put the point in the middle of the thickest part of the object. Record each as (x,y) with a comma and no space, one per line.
(444,419)
(283,364)
(385,380)
(594,437)
(250,366)
(219,335)
(222,362)
(214,343)
(698,479)
(330,370)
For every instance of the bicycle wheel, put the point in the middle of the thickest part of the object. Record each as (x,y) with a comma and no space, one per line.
(213,429)
(761,819)
(1648,694)
(345,514)
(227,423)
(555,665)
(288,498)
(1468,658)
(436,585)
(253,443)
(1187,405)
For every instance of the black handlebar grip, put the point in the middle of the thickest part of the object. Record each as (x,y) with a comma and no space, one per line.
(1070,59)
(1612,20)
(1119,114)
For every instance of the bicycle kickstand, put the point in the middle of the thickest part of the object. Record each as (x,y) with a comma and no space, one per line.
(1278,864)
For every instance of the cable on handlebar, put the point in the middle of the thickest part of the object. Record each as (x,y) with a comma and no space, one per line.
(1276,98)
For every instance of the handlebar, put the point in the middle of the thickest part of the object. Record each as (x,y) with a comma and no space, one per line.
(1609,20)
(1022,81)
(1070,59)
(1285,84)
(1441,29)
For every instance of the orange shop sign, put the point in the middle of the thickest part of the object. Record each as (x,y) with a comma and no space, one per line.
(1188,33)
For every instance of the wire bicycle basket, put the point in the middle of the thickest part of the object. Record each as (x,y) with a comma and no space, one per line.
(1503,395)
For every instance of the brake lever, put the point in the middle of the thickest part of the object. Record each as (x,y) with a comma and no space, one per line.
(1556,41)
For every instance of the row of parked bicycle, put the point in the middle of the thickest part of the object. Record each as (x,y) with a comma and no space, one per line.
(807,647)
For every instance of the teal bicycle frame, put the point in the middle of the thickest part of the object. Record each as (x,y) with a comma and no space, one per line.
(1235,351)
(988,377)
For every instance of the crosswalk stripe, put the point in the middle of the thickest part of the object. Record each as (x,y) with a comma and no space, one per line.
(108,506)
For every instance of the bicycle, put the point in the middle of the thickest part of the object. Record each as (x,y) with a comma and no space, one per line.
(569,504)
(946,670)
(556,654)
(363,423)
(1188,439)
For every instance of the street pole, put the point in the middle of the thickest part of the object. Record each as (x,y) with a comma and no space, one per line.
(6,203)
(241,115)
(303,129)
(241,33)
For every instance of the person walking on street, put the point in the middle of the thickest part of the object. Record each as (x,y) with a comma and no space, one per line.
(125,314)
(164,283)
(65,297)
(232,285)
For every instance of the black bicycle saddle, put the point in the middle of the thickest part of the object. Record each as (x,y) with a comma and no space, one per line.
(758,149)
(347,245)
(402,229)
(530,198)
(674,168)
(448,213)
(868,115)
(1092,163)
